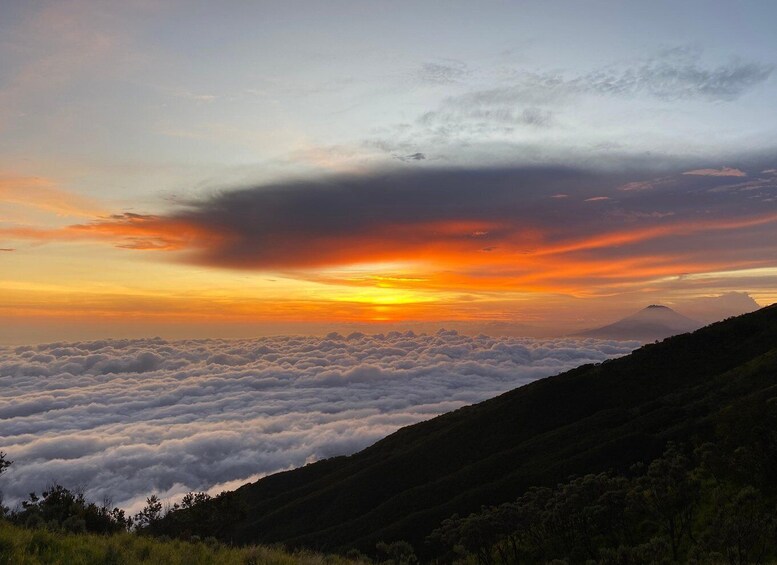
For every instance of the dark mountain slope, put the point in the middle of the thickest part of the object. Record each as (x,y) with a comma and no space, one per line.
(691,388)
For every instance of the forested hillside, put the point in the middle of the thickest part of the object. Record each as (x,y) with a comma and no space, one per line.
(717,385)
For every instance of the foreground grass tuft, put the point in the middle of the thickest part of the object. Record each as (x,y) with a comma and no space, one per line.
(20,546)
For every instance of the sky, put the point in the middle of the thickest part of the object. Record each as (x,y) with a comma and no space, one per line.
(199,169)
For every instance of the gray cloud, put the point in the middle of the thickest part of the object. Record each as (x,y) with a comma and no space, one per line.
(710,309)
(445,73)
(532,98)
(397,214)
(674,74)
(482,119)
(123,418)
(411,157)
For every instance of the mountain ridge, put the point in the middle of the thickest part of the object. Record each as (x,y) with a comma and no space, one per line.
(590,419)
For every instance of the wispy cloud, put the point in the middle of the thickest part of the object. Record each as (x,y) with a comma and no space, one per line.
(721,172)
(412,157)
(442,73)
(44,194)
(673,74)
(529,111)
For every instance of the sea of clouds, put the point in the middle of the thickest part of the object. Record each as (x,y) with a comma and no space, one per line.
(126,418)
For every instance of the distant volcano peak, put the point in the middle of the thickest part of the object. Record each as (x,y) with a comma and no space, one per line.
(650,323)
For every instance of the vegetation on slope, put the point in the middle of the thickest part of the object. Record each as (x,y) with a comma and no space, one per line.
(679,509)
(26,546)
(715,385)
(62,527)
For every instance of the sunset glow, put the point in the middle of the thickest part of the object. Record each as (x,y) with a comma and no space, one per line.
(359,282)
(466,190)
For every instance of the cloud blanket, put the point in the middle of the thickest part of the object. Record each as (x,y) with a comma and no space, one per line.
(125,418)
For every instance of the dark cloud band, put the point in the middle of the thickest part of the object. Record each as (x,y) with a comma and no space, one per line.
(500,221)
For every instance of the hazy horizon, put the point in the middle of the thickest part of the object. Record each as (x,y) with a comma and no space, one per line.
(705,311)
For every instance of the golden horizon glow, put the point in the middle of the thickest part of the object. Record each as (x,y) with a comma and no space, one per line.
(70,260)
(472,178)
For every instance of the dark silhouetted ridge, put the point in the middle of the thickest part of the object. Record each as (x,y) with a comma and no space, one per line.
(705,386)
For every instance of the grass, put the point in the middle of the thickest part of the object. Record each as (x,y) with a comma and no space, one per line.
(20,546)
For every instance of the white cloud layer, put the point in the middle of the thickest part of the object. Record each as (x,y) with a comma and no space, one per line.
(125,418)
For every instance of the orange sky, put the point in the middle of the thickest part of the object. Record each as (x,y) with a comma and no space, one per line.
(72,261)
(204,171)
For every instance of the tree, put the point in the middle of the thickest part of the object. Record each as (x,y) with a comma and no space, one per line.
(4,462)
(743,527)
(192,499)
(189,518)
(151,513)
(61,509)
(671,495)
(396,553)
